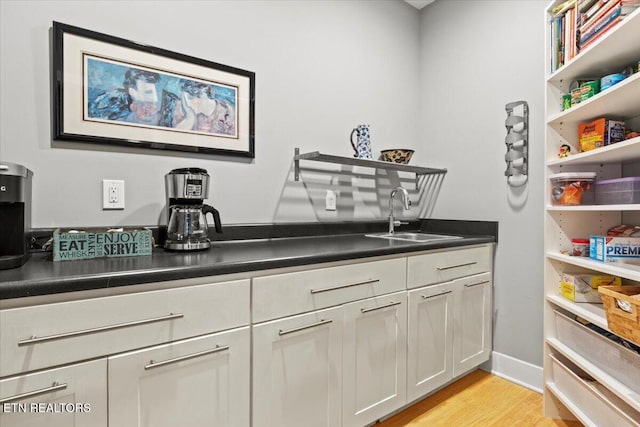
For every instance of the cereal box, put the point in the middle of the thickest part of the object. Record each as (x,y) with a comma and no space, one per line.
(599,133)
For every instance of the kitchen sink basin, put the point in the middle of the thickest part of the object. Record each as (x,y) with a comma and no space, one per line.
(414,237)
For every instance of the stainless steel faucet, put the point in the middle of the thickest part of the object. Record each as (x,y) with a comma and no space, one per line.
(406,203)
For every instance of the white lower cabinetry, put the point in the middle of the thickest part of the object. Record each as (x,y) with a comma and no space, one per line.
(72,396)
(332,345)
(370,347)
(374,358)
(172,357)
(197,382)
(297,370)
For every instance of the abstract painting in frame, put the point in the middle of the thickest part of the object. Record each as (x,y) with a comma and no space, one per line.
(113,91)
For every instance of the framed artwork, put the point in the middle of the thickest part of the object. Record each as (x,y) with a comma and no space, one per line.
(110,90)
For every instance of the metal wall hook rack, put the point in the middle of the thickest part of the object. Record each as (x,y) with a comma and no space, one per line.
(517,142)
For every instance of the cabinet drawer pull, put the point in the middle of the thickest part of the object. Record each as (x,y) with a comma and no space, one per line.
(54,387)
(456,266)
(435,295)
(367,282)
(470,285)
(36,340)
(153,364)
(302,328)
(391,304)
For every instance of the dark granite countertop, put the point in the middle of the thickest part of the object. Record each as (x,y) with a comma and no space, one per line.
(272,246)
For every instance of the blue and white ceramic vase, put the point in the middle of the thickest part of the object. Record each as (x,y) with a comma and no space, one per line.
(362,145)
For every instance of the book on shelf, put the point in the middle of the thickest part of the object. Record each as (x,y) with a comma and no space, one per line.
(588,32)
(614,16)
(574,25)
(562,7)
(584,5)
(563,31)
(604,30)
(588,20)
(596,11)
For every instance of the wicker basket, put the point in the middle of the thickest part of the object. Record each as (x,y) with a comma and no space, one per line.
(622,322)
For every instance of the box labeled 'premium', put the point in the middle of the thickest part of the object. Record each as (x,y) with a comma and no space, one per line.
(615,249)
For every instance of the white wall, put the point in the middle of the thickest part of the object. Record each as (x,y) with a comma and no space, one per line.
(476,57)
(322,67)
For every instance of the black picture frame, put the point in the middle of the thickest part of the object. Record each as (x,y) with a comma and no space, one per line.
(200,106)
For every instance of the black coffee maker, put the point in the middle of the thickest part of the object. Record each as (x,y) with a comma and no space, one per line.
(188,229)
(15,215)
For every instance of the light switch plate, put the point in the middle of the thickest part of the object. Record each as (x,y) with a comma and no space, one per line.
(112,194)
(330,200)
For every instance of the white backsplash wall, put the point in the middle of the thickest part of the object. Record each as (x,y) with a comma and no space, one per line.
(322,68)
(478,56)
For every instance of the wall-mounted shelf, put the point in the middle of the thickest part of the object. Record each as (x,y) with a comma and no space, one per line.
(377,164)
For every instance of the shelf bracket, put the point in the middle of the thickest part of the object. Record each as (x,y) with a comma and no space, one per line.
(296,161)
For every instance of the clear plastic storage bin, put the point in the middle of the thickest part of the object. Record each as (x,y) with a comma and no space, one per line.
(572,188)
(618,191)
(597,404)
(621,363)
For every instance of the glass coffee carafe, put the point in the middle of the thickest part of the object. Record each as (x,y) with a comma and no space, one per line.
(188,227)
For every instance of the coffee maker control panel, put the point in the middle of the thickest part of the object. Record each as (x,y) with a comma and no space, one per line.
(194,189)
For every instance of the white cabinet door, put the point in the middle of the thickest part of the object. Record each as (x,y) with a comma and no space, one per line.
(199,382)
(72,396)
(472,322)
(374,358)
(297,370)
(430,339)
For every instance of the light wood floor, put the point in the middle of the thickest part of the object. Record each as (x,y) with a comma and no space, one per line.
(478,400)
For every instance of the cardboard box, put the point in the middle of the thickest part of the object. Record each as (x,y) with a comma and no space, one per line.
(101,243)
(615,250)
(599,133)
(584,287)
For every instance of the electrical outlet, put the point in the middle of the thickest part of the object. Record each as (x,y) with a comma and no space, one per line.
(112,194)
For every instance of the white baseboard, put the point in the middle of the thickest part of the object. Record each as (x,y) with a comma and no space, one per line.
(515,370)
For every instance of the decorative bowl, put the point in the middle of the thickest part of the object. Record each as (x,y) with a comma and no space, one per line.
(397,155)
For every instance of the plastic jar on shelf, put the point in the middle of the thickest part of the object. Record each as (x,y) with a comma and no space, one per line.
(580,247)
(572,188)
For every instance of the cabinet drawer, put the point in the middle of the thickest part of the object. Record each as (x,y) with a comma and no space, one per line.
(614,359)
(74,395)
(52,334)
(589,401)
(447,265)
(292,293)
